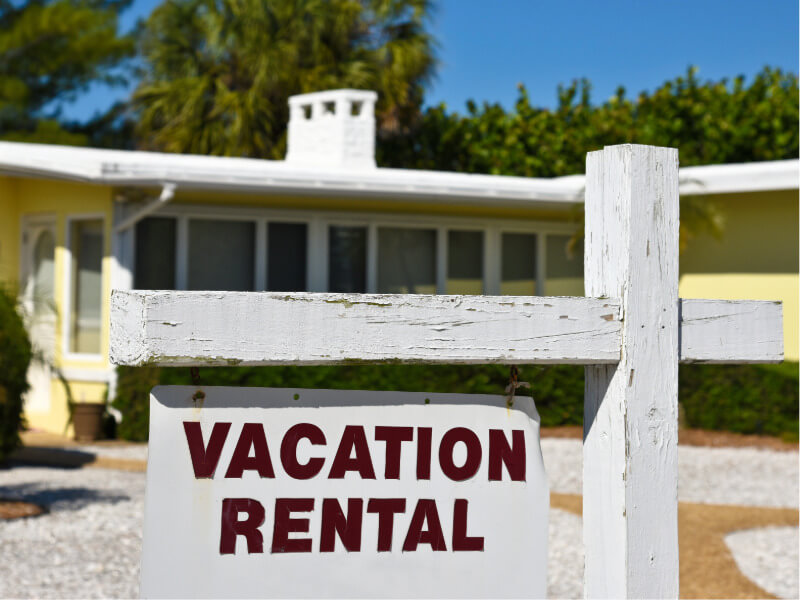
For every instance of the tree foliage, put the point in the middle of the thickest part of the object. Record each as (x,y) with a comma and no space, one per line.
(49,52)
(711,122)
(218,73)
(15,357)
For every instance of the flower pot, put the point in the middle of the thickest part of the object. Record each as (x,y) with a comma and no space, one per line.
(87,418)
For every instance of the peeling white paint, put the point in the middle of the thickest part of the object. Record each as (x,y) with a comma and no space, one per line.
(267,328)
(630,450)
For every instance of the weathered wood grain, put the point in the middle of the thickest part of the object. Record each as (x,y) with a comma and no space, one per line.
(630,448)
(731,331)
(267,328)
(182,328)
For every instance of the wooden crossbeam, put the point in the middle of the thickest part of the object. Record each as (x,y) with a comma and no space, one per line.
(268,328)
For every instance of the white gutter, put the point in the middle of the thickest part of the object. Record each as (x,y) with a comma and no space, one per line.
(167,194)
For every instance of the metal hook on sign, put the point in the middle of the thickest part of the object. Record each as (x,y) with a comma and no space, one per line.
(199,395)
(513,385)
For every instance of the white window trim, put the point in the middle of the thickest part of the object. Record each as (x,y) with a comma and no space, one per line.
(67,297)
(318,223)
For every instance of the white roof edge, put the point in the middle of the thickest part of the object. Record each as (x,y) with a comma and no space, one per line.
(136,168)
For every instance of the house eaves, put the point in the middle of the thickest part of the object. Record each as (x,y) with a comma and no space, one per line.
(245,175)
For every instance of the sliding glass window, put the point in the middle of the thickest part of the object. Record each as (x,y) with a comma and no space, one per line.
(464,262)
(347,259)
(564,269)
(221,255)
(406,261)
(86,285)
(155,254)
(518,271)
(286,257)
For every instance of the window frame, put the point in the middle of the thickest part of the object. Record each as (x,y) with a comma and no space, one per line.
(318,222)
(68,290)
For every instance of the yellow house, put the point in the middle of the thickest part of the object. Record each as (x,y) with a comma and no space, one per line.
(77,222)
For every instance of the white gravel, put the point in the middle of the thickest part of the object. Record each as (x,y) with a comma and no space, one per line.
(88,546)
(564,555)
(768,556)
(128,452)
(744,476)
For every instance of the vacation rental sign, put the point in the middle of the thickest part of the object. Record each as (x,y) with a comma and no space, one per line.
(256,492)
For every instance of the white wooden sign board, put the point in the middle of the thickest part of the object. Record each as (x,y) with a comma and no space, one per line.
(631,331)
(292,493)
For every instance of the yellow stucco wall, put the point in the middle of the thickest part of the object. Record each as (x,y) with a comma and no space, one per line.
(9,231)
(63,200)
(756,258)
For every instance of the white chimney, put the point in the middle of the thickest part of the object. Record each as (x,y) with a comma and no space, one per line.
(335,128)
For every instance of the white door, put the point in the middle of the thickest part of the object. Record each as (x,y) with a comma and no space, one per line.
(38,302)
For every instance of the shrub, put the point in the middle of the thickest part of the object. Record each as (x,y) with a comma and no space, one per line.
(133,401)
(15,357)
(558,389)
(741,398)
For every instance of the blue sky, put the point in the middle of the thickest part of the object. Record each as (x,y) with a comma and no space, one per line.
(487,47)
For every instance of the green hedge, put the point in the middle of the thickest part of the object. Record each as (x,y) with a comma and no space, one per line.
(742,398)
(15,357)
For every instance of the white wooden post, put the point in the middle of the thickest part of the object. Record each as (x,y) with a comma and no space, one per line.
(630,449)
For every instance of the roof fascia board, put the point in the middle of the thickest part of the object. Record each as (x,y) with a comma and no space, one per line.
(140,169)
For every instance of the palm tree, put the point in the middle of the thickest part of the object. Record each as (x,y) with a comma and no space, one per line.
(219,72)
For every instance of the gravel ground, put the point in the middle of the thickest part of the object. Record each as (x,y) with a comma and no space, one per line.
(128,452)
(768,556)
(88,546)
(745,476)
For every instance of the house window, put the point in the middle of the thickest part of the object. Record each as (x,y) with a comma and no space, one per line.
(221,255)
(518,271)
(43,273)
(464,262)
(155,254)
(406,261)
(287,245)
(347,259)
(252,249)
(564,267)
(86,279)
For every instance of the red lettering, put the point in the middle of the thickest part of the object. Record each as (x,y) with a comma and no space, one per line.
(500,453)
(424,435)
(386,509)
(232,526)
(473,444)
(348,527)
(205,458)
(394,437)
(461,542)
(353,438)
(252,436)
(285,524)
(289,451)
(425,512)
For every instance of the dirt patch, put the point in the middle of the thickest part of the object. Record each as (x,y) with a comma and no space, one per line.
(695,437)
(701,437)
(707,568)
(15,509)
